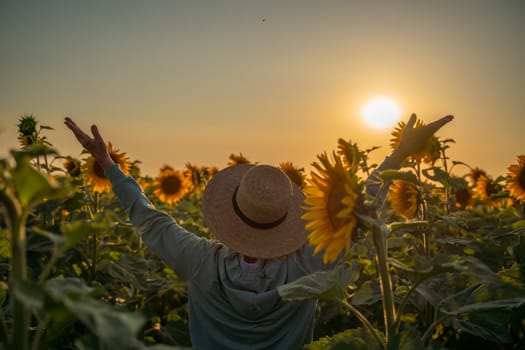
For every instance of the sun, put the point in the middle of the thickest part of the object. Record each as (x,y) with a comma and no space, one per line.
(381,112)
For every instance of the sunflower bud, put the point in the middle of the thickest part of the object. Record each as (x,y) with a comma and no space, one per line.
(73,167)
(27,125)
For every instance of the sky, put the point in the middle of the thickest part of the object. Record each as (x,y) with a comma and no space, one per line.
(171,82)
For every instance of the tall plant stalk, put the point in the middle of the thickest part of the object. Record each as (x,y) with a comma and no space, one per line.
(385,282)
(377,334)
(94,241)
(16,221)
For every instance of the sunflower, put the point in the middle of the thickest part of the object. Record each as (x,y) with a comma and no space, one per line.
(170,185)
(294,174)
(485,189)
(198,176)
(429,153)
(26,141)
(404,198)
(192,173)
(27,125)
(463,198)
(134,169)
(144,181)
(95,175)
(330,200)
(350,153)
(73,167)
(210,171)
(475,174)
(516,179)
(238,159)
(460,193)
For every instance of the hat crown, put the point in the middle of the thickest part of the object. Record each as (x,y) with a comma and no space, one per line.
(264,194)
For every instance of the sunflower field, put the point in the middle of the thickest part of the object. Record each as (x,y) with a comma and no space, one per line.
(431,259)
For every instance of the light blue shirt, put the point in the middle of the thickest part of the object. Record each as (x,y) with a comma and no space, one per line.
(230,307)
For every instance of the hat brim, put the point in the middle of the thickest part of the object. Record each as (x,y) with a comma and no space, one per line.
(230,229)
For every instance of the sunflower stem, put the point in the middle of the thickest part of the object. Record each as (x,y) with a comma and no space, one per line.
(425,236)
(385,283)
(447,190)
(428,333)
(403,303)
(94,244)
(40,330)
(379,337)
(4,333)
(16,221)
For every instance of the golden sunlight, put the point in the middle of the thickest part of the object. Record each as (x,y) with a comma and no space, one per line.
(381,112)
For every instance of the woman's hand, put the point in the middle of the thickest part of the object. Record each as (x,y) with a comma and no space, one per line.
(94,145)
(413,139)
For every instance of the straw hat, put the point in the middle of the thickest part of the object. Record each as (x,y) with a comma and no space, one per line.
(255,210)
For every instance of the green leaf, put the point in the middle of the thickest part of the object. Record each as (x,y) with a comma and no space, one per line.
(61,288)
(167,347)
(520,224)
(34,150)
(57,240)
(408,176)
(76,231)
(472,266)
(438,175)
(359,249)
(372,222)
(408,226)
(408,339)
(328,285)
(33,187)
(427,268)
(5,244)
(494,333)
(504,304)
(116,329)
(367,294)
(400,265)
(356,339)
(30,293)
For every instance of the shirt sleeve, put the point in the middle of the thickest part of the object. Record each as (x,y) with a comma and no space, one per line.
(374,182)
(183,251)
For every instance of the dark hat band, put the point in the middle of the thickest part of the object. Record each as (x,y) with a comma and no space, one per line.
(250,222)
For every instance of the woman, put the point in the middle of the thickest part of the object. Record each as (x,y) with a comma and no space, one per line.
(255,212)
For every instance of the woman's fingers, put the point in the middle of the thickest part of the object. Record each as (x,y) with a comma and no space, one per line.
(76,130)
(429,129)
(438,124)
(96,134)
(85,140)
(411,122)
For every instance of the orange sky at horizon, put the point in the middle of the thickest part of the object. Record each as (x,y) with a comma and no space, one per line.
(177,82)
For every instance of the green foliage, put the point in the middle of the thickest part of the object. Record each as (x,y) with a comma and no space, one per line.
(75,274)
(356,338)
(324,285)
(78,276)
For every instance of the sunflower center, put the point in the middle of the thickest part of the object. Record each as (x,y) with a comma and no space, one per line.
(334,204)
(406,198)
(491,188)
(27,127)
(462,197)
(170,185)
(521,178)
(73,168)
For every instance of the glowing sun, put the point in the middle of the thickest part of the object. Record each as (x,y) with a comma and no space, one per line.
(381,112)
